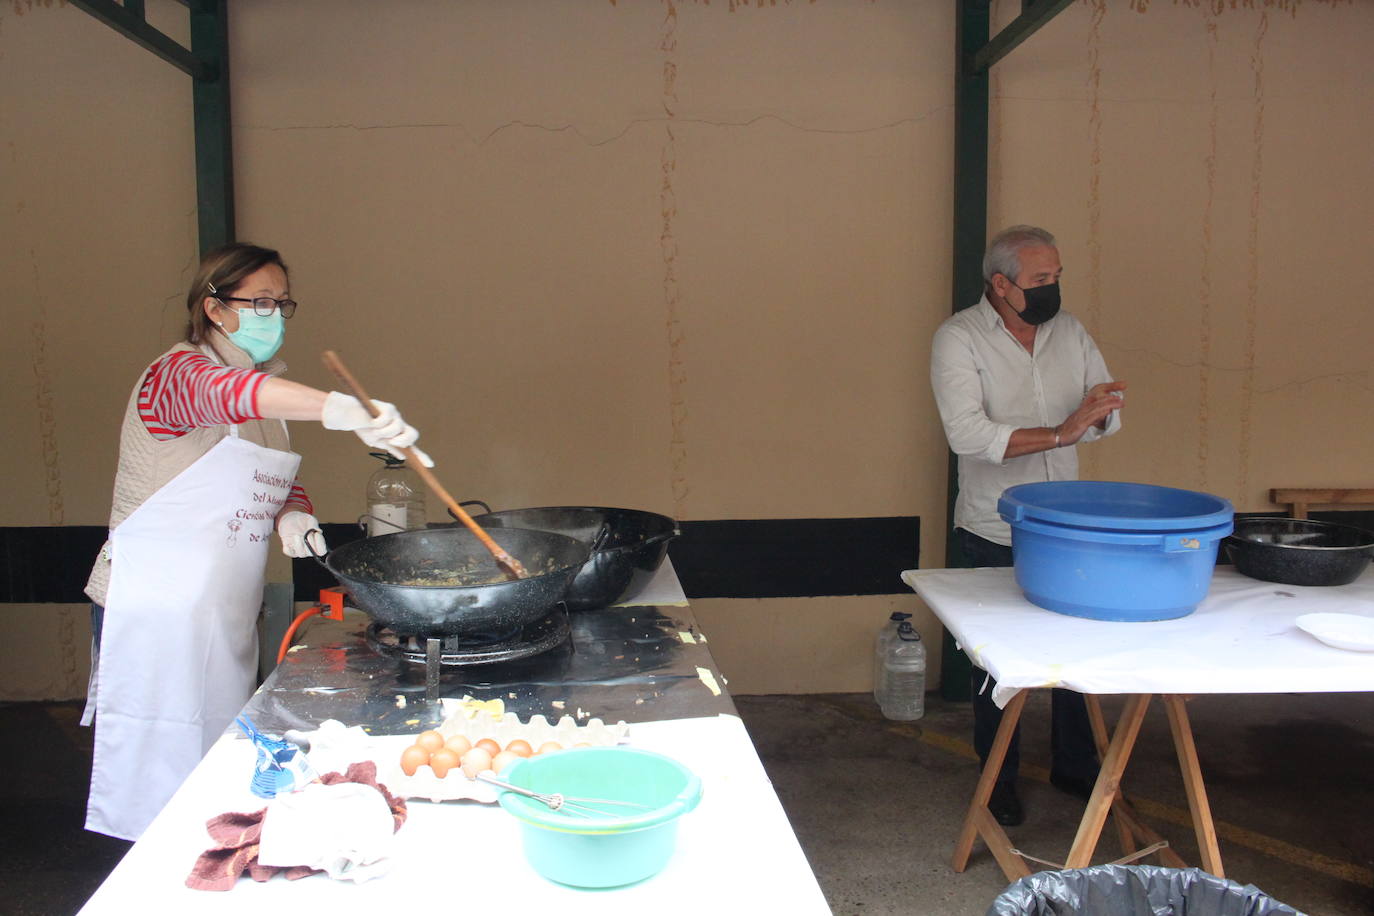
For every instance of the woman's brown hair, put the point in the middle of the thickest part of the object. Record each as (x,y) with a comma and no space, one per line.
(221,271)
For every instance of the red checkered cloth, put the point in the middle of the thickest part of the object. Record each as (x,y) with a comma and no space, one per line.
(236,837)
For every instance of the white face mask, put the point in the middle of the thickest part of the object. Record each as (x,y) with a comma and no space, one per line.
(259,336)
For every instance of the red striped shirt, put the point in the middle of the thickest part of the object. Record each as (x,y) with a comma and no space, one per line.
(186,390)
(298,501)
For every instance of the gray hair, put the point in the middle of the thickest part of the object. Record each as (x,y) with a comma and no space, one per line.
(1003,255)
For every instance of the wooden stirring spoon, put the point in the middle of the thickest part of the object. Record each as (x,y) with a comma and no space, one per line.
(509,564)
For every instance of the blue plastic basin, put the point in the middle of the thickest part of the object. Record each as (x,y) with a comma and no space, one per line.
(1114,551)
(610,850)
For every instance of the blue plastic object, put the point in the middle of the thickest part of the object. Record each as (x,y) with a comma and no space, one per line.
(1114,551)
(281,767)
(601,851)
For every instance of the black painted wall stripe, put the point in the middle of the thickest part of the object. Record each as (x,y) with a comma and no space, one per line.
(796,557)
(48,565)
(735,558)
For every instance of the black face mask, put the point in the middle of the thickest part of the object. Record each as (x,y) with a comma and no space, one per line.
(1042,303)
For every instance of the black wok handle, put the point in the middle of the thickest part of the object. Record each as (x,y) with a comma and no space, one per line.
(666,536)
(470,502)
(318,558)
(599,541)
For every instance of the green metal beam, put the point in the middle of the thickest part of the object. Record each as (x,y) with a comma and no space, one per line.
(1034,14)
(214,135)
(207,62)
(128,21)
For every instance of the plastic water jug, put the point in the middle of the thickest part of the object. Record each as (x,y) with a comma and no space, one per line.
(395,498)
(899,670)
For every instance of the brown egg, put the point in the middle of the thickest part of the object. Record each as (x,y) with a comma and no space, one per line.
(489,745)
(475,761)
(430,740)
(459,744)
(443,760)
(520,747)
(548,747)
(503,760)
(412,758)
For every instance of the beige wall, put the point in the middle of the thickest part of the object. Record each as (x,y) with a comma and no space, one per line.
(689,257)
(1206,175)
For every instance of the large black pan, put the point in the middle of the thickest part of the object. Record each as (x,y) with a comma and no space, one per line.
(628,546)
(1297,551)
(444,582)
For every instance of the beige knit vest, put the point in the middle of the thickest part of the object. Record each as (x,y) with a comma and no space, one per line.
(147,464)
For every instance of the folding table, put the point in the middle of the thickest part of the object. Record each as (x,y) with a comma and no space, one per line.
(1241,639)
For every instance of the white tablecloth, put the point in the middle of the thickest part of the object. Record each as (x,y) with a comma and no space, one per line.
(735,852)
(1241,639)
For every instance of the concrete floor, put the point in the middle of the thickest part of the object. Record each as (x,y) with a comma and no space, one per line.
(877,804)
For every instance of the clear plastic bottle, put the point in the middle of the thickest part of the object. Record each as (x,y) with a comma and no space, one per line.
(899,671)
(395,498)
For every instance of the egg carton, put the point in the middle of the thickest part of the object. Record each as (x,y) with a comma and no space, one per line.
(502,728)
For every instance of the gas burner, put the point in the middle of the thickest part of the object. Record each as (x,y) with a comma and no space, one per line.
(431,652)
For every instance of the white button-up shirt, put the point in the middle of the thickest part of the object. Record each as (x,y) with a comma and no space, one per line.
(987,386)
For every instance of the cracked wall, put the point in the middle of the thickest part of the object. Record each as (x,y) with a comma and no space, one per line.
(1203,182)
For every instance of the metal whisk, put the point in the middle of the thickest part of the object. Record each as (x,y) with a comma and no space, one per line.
(557,801)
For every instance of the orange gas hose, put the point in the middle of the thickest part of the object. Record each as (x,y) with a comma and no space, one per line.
(291,630)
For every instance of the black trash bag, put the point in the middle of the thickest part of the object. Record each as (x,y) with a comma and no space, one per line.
(1134,890)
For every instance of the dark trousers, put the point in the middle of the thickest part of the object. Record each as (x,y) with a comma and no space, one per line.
(1071,739)
(97,622)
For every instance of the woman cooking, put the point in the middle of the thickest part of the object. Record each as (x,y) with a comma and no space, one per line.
(205,473)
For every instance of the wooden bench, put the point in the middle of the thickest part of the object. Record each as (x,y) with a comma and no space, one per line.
(1299,500)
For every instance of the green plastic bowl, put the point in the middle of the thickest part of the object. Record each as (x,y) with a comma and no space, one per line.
(607,850)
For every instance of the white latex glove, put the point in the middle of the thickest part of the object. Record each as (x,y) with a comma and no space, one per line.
(385,431)
(294,527)
(345,829)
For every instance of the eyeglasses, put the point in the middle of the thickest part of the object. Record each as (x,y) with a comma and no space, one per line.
(265,305)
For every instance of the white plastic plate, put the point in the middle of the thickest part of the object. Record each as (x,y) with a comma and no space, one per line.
(1343,631)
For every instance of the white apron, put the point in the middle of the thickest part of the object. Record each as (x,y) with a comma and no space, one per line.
(179,645)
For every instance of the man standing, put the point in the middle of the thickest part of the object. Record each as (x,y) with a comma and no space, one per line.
(1019,384)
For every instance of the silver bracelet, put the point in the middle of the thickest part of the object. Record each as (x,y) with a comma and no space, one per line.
(1056,437)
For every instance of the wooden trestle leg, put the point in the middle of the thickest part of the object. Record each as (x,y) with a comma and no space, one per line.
(979,820)
(1203,826)
(1129,827)
(1106,797)
(1108,781)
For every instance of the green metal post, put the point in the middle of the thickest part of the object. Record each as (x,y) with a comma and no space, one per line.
(972,29)
(970,153)
(210,101)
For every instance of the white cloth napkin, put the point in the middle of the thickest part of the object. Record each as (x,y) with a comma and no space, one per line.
(344,829)
(333,746)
